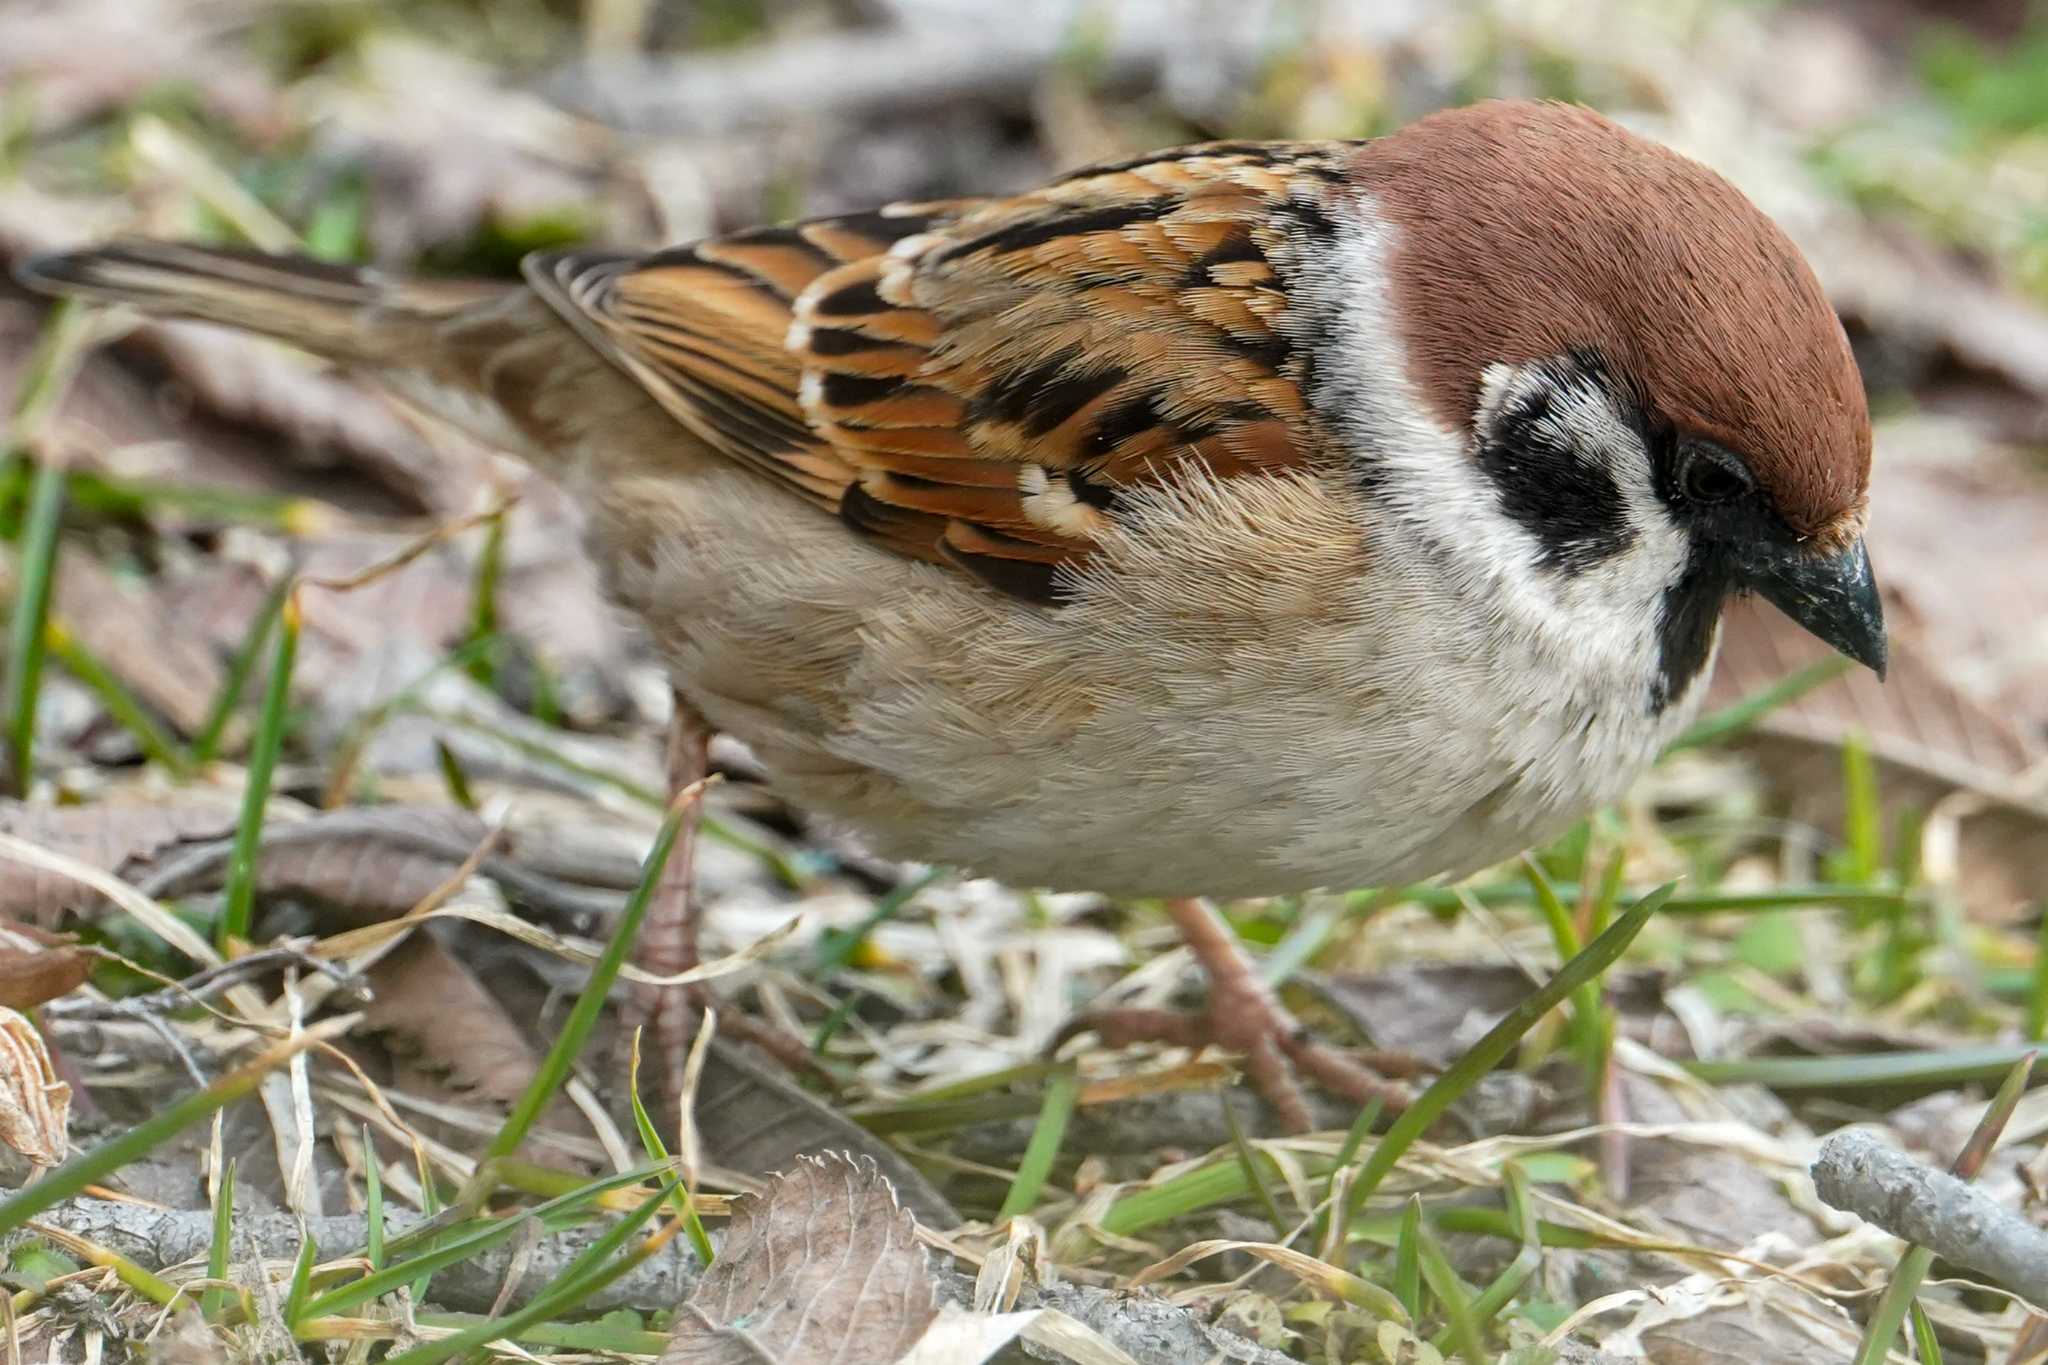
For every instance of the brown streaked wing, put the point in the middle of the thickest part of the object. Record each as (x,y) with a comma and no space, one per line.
(975,381)
(1012,369)
(704,328)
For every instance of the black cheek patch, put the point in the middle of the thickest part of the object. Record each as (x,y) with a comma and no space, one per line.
(1685,626)
(1569,504)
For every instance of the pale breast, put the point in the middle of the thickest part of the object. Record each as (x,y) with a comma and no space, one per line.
(1243,699)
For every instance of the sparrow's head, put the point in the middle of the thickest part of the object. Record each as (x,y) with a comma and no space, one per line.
(1644,372)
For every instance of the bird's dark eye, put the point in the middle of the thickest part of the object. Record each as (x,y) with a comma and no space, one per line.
(1707,476)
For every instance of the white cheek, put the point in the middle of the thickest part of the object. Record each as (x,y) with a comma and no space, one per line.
(1446,511)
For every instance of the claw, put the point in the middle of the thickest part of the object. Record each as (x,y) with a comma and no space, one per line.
(1244,1016)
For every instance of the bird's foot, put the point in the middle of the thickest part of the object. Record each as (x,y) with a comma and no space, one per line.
(1243,1015)
(1278,1050)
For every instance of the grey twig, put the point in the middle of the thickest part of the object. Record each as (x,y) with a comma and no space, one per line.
(1858,1174)
(197,987)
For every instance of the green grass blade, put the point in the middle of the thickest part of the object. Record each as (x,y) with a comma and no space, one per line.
(1528,1259)
(461,1243)
(1463,1330)
(93,1167)
(605,1339)
(1495,1223)
(453,777)
(483,609)
(58,350)
(785,869)
(1062,1088)
(588,1272)
(1484,1055)
(1938,1067)
(1970,1160)
(100,495)
(121,704)
(263,751)
(1347,1152)
(302,1280)
(213,1301)
(939,1116)
(554,1068)
(1361,1128)
(1408,1259)
(207,742)
(430,1204)
(1888,1315)
(1202,1188)
(27,628)
(136,1276)
(1248,1158)
(1588,1014)
(1925,1343)
(657,1152)
(1862,815)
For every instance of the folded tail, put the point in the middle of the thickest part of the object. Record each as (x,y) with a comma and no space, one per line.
(474,353)
(344,312)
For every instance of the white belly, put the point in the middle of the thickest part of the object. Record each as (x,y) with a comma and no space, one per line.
(1184,727)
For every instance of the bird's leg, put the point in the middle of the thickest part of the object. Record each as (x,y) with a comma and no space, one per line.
(1244,1016)
(667,942)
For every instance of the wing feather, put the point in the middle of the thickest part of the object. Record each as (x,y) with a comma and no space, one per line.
(979,381)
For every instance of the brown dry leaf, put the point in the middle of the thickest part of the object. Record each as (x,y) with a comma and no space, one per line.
(361,865)
(752,1117)
(1918,719)
(38,966)
(326,417)
(1930,735)
(109,835)
(126,626)
(1746,1333)
(1955,526)
(434,1013)
(35,1107)
(1432,1010)
(823,1267)
(371,863)
(1701,1193)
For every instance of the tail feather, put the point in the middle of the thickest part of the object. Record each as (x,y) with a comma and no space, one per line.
(474,353)
(343,312)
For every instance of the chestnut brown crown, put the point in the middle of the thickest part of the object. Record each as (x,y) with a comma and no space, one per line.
(1526,230)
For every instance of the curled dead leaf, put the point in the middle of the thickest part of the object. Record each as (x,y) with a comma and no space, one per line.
(108,835)
(825,1258)
(35,1107)
(38,966)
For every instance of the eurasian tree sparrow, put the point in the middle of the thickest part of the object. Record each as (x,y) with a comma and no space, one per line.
(1232,520)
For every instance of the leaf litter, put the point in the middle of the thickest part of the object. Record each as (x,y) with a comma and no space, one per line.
(936,1007)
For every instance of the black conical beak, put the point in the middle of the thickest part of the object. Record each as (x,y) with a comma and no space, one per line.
(1834,596)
